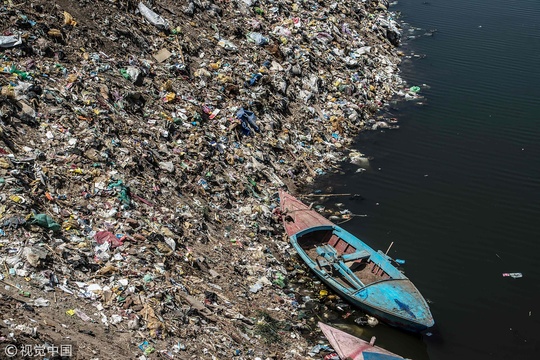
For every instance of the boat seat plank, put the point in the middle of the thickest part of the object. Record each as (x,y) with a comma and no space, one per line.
(326,251)
(358,255)
(341,246)
(333,240)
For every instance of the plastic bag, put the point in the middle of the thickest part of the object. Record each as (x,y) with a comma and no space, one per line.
(102,237)
(10,41)
(227,45)
(153,18)
(46,221)
(247,119)
(257,38)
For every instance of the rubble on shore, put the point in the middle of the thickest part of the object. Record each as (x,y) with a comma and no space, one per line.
(141,149)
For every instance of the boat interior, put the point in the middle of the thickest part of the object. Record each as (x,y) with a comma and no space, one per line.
(351,267)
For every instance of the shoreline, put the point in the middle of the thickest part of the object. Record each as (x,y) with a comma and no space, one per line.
(139,180)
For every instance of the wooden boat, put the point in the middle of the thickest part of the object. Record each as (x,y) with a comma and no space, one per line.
(364,277)
(348,346)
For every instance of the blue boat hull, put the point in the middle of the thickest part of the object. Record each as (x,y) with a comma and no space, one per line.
(364,277)
(384,316)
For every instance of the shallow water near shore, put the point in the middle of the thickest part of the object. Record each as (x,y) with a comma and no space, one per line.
(457,187)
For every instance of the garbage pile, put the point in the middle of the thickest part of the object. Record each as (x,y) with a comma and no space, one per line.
(141,148)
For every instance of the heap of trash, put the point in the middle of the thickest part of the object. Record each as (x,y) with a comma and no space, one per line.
(142,145)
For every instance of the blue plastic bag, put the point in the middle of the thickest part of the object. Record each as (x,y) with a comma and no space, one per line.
(247,120)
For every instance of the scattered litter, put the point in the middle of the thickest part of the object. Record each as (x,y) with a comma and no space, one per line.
(142,146)
(367,320)
(318,348)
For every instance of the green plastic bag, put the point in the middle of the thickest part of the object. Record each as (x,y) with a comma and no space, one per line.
(125,74)
(123,192)
(46,222)
(280,280)
(23,75)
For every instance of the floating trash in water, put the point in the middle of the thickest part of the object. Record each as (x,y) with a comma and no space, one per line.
(513,275)
(367,320)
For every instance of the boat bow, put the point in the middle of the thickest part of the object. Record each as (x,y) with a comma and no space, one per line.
(398,297)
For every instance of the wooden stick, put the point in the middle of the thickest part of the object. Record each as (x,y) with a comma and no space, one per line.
(312,172)
(10,284)
(387,250)
(179,47)
(53,252)
(326,195)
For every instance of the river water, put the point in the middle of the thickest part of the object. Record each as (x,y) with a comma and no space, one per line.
(457,187)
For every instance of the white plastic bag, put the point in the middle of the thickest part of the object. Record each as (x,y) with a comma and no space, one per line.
(153,18)
(10,41)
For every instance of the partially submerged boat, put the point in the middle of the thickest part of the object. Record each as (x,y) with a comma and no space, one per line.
(348,346)
(364,277)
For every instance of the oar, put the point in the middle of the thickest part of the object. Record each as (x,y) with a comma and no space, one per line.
(387,250)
